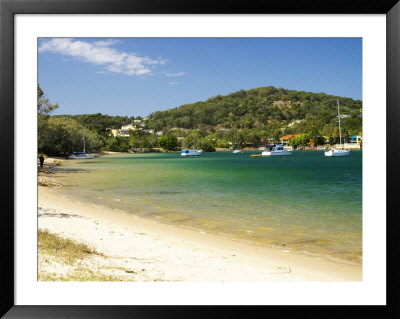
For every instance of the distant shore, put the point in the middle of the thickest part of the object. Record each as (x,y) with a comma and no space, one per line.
(136,249)
(226,150)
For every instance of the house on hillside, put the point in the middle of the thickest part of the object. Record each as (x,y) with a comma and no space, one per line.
(138,123)
(114,132)
(356,139)
(124,131)
(295,122)
(127,128)
(285,140)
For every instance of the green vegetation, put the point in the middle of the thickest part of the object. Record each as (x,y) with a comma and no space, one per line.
(241,119)
(44,109)
(102,124)
(64,135)
(61,135)
(118,144)
(168,142)
(263,114)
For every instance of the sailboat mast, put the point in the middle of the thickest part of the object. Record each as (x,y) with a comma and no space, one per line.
(84,143)
(340,130)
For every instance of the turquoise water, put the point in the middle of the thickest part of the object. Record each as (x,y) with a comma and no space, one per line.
(306,202)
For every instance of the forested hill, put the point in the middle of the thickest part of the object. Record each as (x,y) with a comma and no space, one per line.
(99,122)
(273,111)
(253,117)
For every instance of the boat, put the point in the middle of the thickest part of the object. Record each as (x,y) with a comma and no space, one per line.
(277,150)
(255,155)
(236,151)
(191,153)
(338,152)
(81,155)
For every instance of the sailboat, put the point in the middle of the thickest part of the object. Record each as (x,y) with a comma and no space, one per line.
(81,155)
(237,150)
(340,151)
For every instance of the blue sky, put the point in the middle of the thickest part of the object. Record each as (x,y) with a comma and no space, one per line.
(138,76)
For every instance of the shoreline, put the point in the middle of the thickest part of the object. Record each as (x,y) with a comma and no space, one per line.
(138,249)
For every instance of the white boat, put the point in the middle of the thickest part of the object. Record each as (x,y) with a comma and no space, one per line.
(81,155)
(191,153)
(277,150)
(338,152)
(333,152)
(236,151)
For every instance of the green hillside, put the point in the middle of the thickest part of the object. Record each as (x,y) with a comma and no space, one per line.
(241,119)
(269,111)
(101,123)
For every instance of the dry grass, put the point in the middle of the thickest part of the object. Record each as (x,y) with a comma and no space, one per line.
(62,259)
(77,275)
(71,257)
(65,249)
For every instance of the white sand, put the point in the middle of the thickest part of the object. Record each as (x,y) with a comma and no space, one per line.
(142,250)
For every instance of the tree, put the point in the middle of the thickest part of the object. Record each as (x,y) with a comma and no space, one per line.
(118,144)
(168,142)
(304,139)
(193,139)
(64,135)
(153,140)
(136,138)
(43,103)
(254,138)
(295,142)
(206,145)
(44,108)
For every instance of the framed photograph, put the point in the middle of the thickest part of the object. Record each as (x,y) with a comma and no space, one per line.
(194,154)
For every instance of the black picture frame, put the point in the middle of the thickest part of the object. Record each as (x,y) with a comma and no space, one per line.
(8,8)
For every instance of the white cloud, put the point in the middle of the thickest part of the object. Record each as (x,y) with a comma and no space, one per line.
(173,83)
(100,53)
(106,43)
(174,74)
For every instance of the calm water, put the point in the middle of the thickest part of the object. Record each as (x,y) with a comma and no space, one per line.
(305,203)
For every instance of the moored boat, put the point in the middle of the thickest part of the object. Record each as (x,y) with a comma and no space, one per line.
(338,152)
(335,153)
(277,150)
(190,153)
(81,155)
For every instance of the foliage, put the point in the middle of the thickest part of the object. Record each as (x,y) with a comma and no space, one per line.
(168,142)
(240,119)
(118,144)
(206,145)
(43,104)
(266,113)
(44,109)
(102,124)
(64,136)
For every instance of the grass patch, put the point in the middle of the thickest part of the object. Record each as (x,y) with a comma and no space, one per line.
(67,250)
(77,275)
(73,257)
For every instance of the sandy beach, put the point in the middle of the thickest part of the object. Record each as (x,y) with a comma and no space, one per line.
(136,249)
